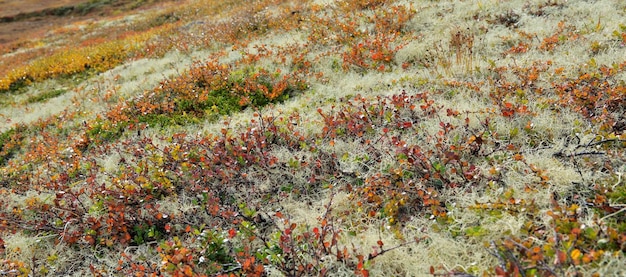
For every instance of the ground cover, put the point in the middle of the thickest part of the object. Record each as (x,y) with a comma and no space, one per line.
(333,138)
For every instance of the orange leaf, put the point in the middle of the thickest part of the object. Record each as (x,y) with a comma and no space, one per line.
(493,171)
(576,254)
(247,264)
(90,239)
(187,270)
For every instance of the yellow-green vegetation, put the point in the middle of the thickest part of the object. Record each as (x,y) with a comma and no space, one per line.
(330,138)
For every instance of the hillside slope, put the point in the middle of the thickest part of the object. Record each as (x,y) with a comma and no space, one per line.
(304,138)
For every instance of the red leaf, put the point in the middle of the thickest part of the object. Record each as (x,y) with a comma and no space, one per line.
(500,272)
(561,257)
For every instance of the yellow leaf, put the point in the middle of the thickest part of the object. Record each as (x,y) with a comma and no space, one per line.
(575,254)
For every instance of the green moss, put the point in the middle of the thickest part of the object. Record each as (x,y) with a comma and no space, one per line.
(104,130)
(10,143)
(45,96)
(164,120)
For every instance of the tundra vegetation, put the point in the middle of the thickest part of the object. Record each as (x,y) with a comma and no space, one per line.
(327,137)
